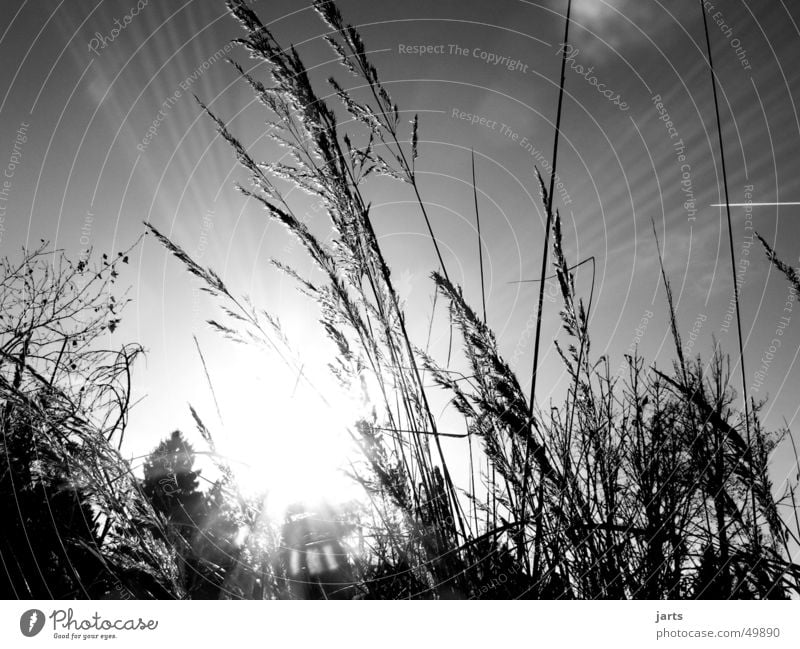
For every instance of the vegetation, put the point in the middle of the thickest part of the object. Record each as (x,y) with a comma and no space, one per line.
(636,488)
(76,521)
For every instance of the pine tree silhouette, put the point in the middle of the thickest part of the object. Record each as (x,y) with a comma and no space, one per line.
(200,525)
(171,485)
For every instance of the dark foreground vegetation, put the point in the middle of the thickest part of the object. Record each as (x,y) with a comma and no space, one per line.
(654,485)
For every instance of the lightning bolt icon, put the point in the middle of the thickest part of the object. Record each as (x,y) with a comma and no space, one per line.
(32,621)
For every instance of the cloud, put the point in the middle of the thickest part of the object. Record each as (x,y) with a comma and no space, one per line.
(599,14)
(605,25)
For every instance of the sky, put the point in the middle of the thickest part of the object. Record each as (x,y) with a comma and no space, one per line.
(100,133)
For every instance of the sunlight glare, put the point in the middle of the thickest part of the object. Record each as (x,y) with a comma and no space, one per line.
(283,441)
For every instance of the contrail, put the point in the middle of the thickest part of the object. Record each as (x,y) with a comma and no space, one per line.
(751,204)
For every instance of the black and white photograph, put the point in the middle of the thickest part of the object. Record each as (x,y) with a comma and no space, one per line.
(375,300)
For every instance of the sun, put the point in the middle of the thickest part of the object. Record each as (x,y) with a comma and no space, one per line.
(284,440)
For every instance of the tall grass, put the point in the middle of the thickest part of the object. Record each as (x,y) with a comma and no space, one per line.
(76,523)
(632,488)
